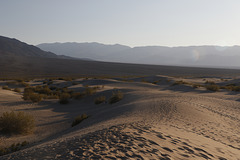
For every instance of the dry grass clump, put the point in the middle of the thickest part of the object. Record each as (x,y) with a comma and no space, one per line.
(212,87)
(231,87)
(197,85)
(16,123)
(13,148)
(100,99)
(77,95)
(79,119)
(210,82)
(116,96)
(90,90)
(6,88)
(64,98)
(30,95)
(17,90)
(179,82)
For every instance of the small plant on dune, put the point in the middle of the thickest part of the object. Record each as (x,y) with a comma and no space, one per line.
(212,87)
(13,148)
(64,98)
(6,88)
(16,123)
(77,95)
(116,96)
(196,85)
(90,91)
(79,119)
(30,95)
(210,82)
(17,90)
(100,99)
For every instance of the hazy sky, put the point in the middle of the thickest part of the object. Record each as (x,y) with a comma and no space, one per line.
(129,22)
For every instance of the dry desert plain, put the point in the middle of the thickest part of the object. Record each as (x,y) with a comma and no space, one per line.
(158,117)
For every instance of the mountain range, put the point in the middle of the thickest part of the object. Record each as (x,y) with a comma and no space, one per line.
(18,59)
(203,56)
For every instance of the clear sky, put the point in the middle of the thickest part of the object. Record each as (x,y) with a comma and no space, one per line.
(128,22)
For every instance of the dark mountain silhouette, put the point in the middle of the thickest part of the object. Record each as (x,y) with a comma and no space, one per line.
(213,56)
(15,47)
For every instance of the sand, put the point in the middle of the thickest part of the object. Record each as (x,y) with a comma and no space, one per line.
(152,121)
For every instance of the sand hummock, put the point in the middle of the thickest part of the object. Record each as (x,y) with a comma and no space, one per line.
(154,120)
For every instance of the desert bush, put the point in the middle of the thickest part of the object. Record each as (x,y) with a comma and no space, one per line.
(43,90)
(79,119)
(100,100)
(16,123)
(6,88)
(75,83)
(90,91)
(212,87)
(30,95)
(17,90)
(77,95)
(64,98)
(14,147)
(24,84)
(196,85)
(34,97)
(116,96)
(210,82)
(231,88)
(179,82)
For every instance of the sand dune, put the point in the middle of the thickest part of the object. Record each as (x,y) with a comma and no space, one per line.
(152,121)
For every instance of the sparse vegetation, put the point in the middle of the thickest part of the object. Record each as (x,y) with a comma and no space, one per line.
(17,90)
(116,96)
(16,123)
(212,87)
(77,95)
(196,85)
(100,99)
(79,119)
(30,95)
(210,82)
(64,98)
(6,88)
(179,82)
(90,90)
(13,148)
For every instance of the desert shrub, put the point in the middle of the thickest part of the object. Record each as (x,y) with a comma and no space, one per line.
(16,123)
(179,82)
(43,90)
(53,96)
(116,96)
(90,91)
(79,119)
(24,84)
(231,88)
(212,87)
(210,82)
(14,147)
(100,100)
(75,83)
(17,90)
(53,87)
(64,98)
(34,97)
(29,94)
(77,95)
(196,85)
(6,88)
